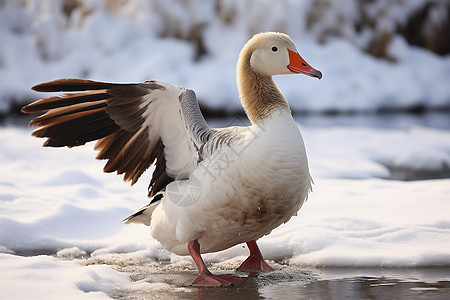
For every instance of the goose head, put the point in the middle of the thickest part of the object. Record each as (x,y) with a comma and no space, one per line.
(274,53)
(264,55)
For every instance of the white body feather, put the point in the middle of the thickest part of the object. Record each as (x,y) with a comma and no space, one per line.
(240,193)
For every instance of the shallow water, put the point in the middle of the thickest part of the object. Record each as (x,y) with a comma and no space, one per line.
(433,119)
(296,283)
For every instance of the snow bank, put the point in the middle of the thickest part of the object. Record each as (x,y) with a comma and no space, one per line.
(58,201)
(377,224)
(407,153)
(61,233)
(49,278)
(196,44)
(46,277)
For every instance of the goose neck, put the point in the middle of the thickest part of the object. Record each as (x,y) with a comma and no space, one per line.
(259,94)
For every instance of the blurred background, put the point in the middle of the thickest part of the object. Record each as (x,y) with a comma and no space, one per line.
(377,56)
(385,65)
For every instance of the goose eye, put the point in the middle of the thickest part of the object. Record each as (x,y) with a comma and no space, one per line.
(274,49)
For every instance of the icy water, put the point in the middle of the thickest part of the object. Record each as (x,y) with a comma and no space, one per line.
(295,283)
(437,120)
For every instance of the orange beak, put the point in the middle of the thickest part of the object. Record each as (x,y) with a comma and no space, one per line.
(298,65)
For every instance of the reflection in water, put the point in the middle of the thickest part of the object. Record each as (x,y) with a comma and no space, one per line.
(360,288)
(294,283)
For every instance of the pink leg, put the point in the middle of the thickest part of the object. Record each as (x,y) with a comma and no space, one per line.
(205,277)
(255,261)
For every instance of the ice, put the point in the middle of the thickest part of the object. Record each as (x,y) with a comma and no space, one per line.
(71,253)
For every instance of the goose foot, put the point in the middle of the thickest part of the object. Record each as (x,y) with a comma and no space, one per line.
(216,280)
(205,278)
(255,262)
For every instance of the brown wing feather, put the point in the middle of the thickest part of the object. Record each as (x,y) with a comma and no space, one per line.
(72,85)
(65,100)
(159,178)
(77,129)
(111,113)
(58,114)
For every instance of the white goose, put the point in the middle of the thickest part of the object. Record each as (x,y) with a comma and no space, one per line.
(211,188)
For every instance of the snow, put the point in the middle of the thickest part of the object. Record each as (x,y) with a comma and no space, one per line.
(61,230)
(378,153)
(137,40)
(61,233)
(50,278)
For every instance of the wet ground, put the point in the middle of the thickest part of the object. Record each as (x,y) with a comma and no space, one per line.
(296,283)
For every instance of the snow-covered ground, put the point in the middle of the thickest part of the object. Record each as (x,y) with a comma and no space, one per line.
(61,230)
(60,217)
(137,40)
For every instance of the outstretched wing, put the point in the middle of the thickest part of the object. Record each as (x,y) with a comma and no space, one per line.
(135,125)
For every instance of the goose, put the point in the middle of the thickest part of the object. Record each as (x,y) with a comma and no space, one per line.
(211,188)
